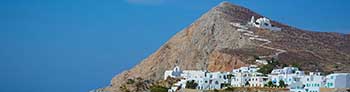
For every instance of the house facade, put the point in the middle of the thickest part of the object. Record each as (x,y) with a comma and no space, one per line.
(247,77)
(288,75)
(313,82)
(338,80)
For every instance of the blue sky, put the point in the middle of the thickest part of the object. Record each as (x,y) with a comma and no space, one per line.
(79,45)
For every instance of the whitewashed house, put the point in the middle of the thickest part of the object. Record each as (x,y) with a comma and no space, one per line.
(313,82)
(205,80)
(239,79)
(263,23)
(247,77)
(249,69)
(338,80)
(288,74)
(264,62)
(257,80)
(214,80)
(297,80)
(193,74)
(296,87)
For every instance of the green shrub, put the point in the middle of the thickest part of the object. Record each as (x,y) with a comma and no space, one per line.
(257,57)
(130,81)
(158,89)
(215,90)
(266,69)
(270,84)
(282,84)
(296,65)
(225,85)
(229,89)
(191,84)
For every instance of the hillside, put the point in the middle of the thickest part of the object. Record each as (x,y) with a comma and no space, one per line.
(212,43)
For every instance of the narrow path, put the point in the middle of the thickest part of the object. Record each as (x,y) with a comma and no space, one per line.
(252,36)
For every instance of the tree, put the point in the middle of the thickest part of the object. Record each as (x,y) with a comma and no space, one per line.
(270,84)
(257,57)
(247,83)
(266,69)
(282,84)
(130,81)
(230,76)
(335,66)
(296,65)
(225,85)
(284,65)
(191,84)
(123,88)
(274,62)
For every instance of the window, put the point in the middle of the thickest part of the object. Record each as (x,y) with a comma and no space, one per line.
(266,24)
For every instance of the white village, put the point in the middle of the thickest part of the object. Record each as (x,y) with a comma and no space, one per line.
(288,77)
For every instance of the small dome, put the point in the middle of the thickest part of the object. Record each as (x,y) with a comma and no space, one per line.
(263,20)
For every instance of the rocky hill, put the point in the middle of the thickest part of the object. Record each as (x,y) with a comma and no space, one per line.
(213,43)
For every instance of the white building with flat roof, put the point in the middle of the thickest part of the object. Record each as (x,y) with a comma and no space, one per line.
(205,80)
(288,74)
(249,69)
(248,77)
(313,82)
(338,80)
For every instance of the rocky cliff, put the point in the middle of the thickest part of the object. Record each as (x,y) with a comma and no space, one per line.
(213,43)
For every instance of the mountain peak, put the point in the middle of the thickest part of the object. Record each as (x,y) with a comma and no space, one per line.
(228,4)
(232,12)
(225,3)
(213,43)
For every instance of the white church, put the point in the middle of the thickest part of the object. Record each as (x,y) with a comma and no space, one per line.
(263,23)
